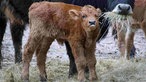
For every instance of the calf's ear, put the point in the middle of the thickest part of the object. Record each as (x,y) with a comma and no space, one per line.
(99,11)
(74,14)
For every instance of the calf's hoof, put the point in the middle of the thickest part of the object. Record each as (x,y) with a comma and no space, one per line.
(82,79)
(43,78)
(92,79)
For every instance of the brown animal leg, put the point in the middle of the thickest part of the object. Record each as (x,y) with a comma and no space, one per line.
(80,60)
(129,44)
(41,57)
(121,43)
(91,62)
(144,26)
(29,49)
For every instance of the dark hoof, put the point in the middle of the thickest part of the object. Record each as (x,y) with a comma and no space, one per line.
(72,73)
(0,64)
(43,79)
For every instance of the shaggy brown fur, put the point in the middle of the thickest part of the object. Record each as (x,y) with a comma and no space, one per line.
(140,14)
(63,22)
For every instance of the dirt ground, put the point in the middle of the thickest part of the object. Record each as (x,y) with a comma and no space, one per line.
(109,67)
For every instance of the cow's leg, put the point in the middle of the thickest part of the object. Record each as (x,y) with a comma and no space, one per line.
(91,62)
(144,26)
(144,23)
(29,49)
(72,65)
(41,57)
(17,33)
(129,40)
(121,42)
(2,31)
(133,51)
(80,60)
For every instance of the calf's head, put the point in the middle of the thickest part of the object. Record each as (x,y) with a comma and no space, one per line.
(88,16)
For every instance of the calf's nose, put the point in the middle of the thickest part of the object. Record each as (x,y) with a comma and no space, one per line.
(92,22)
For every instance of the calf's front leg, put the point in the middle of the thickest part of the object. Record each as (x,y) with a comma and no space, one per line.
(80,60)
(91,61)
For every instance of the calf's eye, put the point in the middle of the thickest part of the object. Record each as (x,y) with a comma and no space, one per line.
(84,16)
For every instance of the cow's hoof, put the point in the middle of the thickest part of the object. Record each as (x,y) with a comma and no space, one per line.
(70,76)
(0,65)
(43,80)
(83,80)
(26,80)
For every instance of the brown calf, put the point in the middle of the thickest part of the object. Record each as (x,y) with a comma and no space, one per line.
(77,25)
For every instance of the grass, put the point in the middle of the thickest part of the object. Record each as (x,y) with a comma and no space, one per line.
(108,70)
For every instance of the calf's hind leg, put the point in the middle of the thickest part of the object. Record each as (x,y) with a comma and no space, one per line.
(29,49)
(41,53)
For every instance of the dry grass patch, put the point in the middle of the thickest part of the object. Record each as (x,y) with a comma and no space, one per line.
(108,70)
